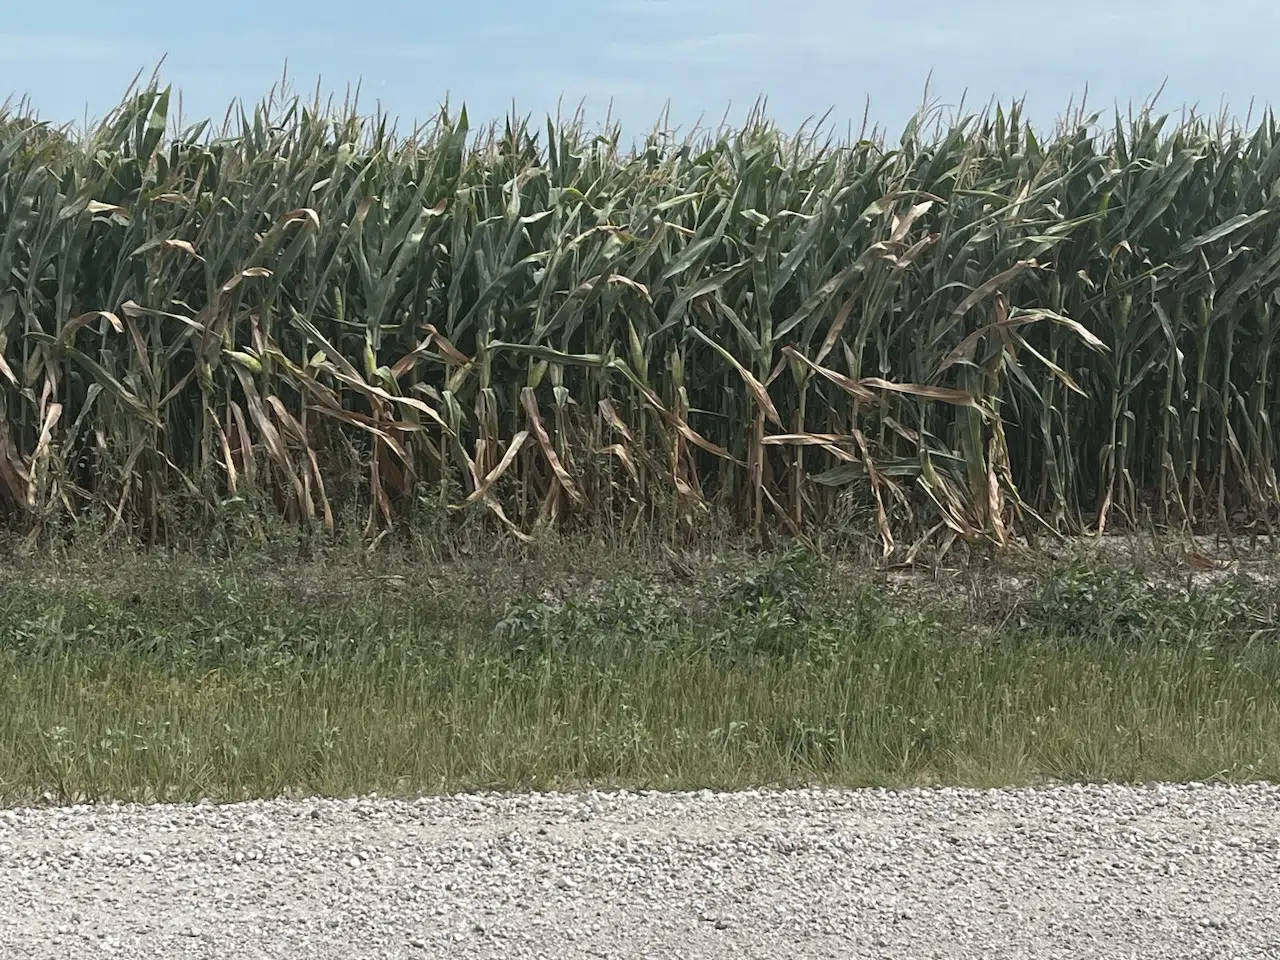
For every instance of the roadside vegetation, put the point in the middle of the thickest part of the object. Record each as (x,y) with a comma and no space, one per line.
(335,459)
(582,664)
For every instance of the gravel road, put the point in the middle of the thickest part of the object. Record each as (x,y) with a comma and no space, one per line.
(1161,871)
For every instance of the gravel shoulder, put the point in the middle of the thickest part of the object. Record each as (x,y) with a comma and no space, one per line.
(1071,871)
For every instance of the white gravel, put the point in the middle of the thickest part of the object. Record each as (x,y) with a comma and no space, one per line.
(1162,871)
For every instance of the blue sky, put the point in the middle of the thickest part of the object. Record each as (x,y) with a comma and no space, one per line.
(704,56)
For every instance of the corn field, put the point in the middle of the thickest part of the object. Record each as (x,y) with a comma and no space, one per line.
(977,331)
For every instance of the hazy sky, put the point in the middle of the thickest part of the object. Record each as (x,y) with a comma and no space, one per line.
(76,56)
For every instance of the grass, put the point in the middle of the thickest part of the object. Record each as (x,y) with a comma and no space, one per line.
(179,678)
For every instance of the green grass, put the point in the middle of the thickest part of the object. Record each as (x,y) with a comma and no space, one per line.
(174,678)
